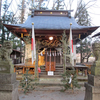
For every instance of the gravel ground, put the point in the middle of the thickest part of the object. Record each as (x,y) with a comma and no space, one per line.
(52,93)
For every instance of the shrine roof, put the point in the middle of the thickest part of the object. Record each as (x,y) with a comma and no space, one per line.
(96,34)
(51,23)
(50,20)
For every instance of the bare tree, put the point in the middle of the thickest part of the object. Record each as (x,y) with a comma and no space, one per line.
(0,8)
(84,7)
(8,7)
(22,11)
(0,15)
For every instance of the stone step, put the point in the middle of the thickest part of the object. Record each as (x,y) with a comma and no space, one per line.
(46,76)
(55,73)
(43,68)
(81,84)
(81,79)
(55,88)
(59,69)
(43,71)
(53,82)
(58,73)
(55,69)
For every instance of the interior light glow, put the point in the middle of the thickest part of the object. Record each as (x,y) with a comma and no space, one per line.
(50,38)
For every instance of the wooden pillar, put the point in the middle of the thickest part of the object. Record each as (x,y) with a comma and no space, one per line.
(46,61)
(14,69)
(77,71)
(61,59)
(85,72)
(54,60)
(23,70)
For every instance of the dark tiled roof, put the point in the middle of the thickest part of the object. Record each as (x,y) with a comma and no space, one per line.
(51,22)
(96,34)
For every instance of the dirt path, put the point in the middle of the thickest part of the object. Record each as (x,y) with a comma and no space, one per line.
(52,94)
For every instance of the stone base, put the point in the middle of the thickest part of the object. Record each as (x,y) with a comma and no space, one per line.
(92,91)
(94,80)
(95,70)
(6,78)
(6,66)
(9,95)
(8,87)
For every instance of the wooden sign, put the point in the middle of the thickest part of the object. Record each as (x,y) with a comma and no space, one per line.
(50,73)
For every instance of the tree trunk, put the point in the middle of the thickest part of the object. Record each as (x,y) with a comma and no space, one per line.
(0,8)
(64,69)
(20,51)
(81,53)
(0,15)
(36,61)
(87,60)
(22,12)
(22,20)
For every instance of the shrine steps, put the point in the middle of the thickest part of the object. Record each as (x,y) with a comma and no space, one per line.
(56,81)
(53,76)
(58,71)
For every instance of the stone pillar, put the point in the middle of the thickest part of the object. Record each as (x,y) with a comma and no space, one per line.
(8,86)
(92,91)
(8,83)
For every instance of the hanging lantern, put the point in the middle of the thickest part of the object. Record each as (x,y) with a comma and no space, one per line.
(79,36)
(50,38)
(21,35)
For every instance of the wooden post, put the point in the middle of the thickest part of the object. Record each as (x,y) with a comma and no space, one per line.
(23,70)
(14,68)
(77,71)
(46,61)
(85,72)
(50,61)
(54,60)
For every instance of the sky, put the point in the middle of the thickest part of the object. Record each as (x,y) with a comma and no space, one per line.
(93,10)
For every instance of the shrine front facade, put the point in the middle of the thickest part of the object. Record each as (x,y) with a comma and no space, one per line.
(50,24)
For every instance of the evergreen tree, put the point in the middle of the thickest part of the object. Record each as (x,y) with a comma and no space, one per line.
(82,17)
(65,49)
(85,49)
(69,76)
(8,18)
(58,5)
(70,80)
(26,82)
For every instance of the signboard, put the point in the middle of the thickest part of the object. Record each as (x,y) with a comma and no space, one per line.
(50,73)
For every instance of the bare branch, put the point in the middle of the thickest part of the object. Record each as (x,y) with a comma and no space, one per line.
(83,7)
(8,7)
(48,3)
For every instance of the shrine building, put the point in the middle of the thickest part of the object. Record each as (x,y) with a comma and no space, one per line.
(49,26)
